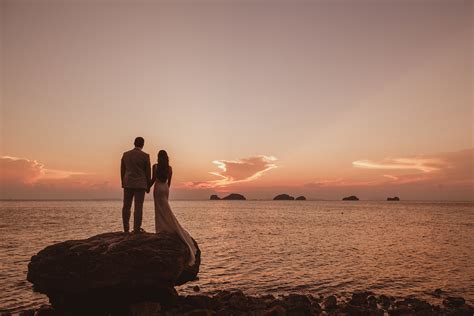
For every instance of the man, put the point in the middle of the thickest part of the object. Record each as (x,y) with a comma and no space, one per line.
(135,172)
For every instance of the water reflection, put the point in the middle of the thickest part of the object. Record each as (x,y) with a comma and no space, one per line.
(271,247)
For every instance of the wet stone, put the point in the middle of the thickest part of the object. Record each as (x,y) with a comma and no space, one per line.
(384,301)
(330,302)
(276,310)
(372,302)
(453,301)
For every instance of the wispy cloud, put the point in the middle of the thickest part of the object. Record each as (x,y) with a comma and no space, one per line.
(28,171)
(323,183)
(28,178)
(451,168)
(338,183)
(237,171)
(416,163)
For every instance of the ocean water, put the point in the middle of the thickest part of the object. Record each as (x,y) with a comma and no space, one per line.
(277,247)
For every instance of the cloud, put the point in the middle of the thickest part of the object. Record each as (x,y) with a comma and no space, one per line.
(339,183)
(27,178)
(323,183)
(237,171)
(452,168)
(26,171)
(446,168)
(416,163)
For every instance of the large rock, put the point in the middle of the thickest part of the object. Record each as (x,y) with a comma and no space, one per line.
(395,198)
(214,197)
(112,269)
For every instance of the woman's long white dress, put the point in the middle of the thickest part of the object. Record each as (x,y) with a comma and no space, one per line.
(166,221)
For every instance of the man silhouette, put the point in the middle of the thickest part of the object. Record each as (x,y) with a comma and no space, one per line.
(135,173)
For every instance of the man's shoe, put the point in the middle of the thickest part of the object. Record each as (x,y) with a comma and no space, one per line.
(141,230)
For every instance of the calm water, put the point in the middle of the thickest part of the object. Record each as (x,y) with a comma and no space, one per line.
(276,247)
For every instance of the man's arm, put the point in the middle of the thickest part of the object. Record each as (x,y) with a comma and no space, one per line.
(148,172)
(122,170)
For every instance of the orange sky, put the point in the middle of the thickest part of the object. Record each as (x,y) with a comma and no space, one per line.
(323,99)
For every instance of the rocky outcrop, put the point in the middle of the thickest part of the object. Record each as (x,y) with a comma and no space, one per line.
(237,303)
(283,197)
(214,197)
(351,198)
(112,269)
(234,196)
(395,198)
(300,198)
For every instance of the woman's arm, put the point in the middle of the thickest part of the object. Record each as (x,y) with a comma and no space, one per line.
(169,177)
(153,177)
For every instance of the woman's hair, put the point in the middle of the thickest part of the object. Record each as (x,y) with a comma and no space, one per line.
(162,170)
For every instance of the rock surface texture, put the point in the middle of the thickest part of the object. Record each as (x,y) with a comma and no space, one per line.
(112,269)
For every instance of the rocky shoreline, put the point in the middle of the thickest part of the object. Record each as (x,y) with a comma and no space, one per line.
(120,274)
(237,303)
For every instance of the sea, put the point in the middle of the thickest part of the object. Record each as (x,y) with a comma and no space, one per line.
(401,248)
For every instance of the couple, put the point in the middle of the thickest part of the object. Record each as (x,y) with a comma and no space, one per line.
(138,178)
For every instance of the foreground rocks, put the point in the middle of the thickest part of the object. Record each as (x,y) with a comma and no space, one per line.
(237,303)
(120,274)
(111,271)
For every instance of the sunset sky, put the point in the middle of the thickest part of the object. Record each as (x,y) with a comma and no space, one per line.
(323,99)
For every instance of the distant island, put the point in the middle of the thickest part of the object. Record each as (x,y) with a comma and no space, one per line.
(281,197)
(287,197)
(232,196)
(236,196)
(351,198)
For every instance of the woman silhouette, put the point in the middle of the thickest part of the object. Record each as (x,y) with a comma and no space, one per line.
(164,217)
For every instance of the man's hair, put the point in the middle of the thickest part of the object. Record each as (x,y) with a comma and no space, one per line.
(139,142)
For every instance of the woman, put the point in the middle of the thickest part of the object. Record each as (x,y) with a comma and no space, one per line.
(164,217)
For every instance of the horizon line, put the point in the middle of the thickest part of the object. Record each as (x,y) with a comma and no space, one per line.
(258,200)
